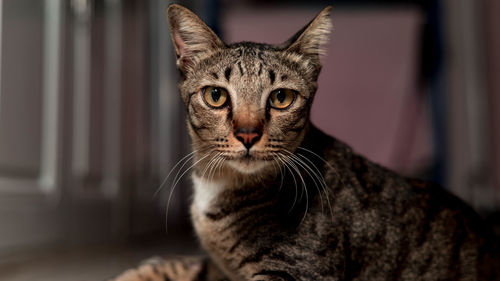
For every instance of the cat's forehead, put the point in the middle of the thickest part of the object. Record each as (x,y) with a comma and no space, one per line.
(251,53)
(251,48)
(256,59)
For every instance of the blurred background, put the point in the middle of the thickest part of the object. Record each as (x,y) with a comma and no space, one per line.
(91,121)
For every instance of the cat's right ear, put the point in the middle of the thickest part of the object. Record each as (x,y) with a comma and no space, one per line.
(310,39)
(192,38)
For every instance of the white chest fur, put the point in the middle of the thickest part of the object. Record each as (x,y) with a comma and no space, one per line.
(205,197)
(205,192)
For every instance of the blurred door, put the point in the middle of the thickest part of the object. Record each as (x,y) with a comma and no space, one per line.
(29,133)
(81,121)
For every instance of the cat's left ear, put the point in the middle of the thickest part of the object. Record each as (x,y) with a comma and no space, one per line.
(192,38)
(309,40)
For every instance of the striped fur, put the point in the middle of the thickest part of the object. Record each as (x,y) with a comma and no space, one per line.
(299,204)
(178,269)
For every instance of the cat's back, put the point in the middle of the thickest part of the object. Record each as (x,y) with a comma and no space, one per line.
(455,233)
(412,228)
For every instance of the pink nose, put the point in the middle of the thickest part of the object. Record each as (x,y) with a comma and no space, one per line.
(248,136)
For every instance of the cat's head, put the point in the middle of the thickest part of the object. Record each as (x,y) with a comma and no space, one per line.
(248,104)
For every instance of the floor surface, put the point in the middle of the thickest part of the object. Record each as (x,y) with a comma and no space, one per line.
(90,264)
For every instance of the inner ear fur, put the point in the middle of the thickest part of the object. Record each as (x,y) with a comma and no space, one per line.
(192,38)
(311,38)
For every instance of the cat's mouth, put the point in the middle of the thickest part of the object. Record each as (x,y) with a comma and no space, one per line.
(247,162)
(248,158)
(247,155)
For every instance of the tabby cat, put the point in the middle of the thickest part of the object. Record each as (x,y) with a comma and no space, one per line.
(277,199)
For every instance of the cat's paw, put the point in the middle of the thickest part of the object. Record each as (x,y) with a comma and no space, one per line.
(158,269)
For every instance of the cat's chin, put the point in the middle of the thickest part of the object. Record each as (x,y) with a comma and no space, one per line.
(247,166)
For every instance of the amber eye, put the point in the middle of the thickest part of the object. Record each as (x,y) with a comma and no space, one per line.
(214,96)
(282,98)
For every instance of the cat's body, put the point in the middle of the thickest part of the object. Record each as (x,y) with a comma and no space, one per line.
(276,199)
(380,226)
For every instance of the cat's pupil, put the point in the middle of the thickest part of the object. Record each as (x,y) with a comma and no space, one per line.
(281,96)
(215,94)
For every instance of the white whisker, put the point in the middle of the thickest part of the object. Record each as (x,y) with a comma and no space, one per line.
(175,184)
(326,162)
(189,156)
(285,165)
(322,181)
(209,164)
(304,188)
(308,170)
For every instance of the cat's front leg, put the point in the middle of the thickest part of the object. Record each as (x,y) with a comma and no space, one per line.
(181,269)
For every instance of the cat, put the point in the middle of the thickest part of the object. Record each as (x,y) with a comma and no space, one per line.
(277,199)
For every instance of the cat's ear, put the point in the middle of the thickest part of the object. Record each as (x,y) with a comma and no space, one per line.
(309,40)
(192,38)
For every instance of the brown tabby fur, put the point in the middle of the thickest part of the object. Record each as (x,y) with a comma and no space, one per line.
(302,205)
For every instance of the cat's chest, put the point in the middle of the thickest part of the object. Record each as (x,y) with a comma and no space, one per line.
(205,196)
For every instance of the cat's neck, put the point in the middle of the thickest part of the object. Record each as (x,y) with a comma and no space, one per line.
(206,191)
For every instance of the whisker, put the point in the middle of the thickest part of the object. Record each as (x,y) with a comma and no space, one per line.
(213,169)
(189,156)
(220,165)
(279,157)
(277,167)
(175,184)
(213,159)
(274,167)
(205,147)
(308,170)
(322,180)
(326,162)
(282,176)
(304,188)
(297,170)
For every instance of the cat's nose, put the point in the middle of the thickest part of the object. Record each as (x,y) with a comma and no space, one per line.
(248,136)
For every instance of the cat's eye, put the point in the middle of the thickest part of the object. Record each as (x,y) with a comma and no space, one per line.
(215,97)
(282,98)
